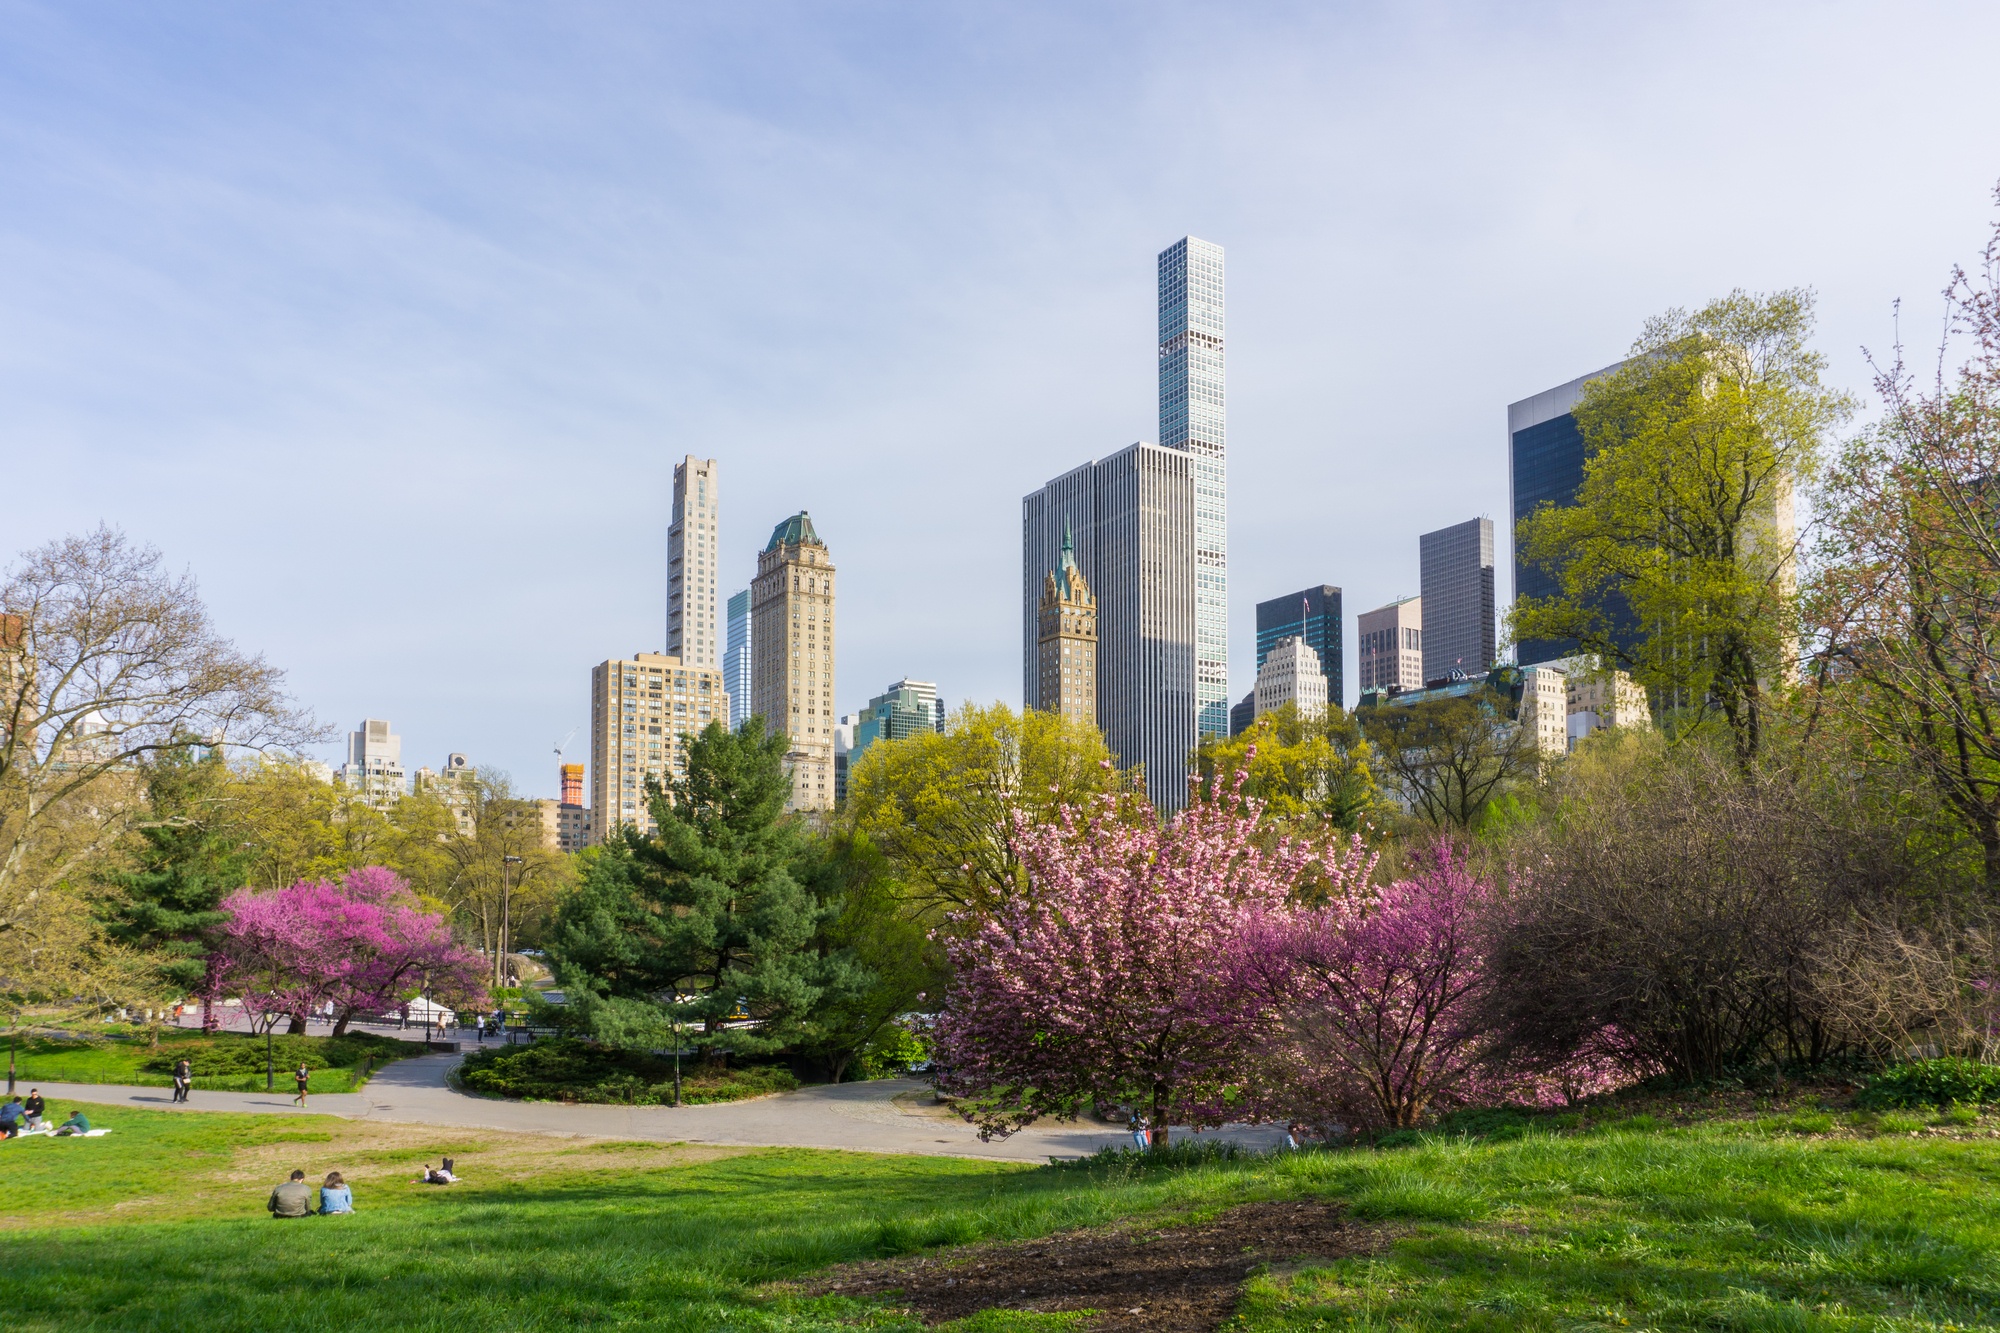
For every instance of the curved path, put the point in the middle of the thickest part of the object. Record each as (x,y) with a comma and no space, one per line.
(886,1115)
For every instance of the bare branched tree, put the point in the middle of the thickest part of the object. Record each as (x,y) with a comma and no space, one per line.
(1906,601)
(106,659)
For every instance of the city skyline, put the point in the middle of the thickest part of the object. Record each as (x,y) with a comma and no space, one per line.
(335,313)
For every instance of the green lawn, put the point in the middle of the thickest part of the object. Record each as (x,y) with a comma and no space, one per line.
(225,1062)
(1792,1222)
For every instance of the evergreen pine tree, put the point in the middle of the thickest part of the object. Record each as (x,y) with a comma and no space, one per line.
(187,861)
(712,906)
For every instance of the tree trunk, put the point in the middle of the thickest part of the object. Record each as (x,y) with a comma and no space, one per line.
(1157,1124)
(298,1026)
(340,1023)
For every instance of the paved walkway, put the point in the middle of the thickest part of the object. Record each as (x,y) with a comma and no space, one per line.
(886,1115)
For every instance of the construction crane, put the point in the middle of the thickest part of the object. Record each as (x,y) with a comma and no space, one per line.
(563,744)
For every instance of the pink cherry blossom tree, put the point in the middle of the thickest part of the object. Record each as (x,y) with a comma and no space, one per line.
(1107,978)
(358,943)
(1371,999)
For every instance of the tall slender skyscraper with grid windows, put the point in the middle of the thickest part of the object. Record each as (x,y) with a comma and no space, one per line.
(691,552)
(1192,419)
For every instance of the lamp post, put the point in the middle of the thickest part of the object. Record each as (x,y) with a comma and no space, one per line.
(677,1051)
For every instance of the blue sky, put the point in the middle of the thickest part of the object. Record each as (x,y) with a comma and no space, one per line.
(389,322)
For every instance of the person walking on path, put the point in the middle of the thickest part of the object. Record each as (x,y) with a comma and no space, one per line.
(403,1015)
(335,1196)
(183,1075)
(301,1076)
(1141,1140)
(294,1198)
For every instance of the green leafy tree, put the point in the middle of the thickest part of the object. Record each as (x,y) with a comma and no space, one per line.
(703,921)
(1451,758)
(1695,447)
(187,858)
(941,805)
(889,965)
(1314,769)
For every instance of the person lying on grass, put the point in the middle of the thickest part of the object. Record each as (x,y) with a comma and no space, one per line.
(294,1198)
(335,1196)
(442,1176)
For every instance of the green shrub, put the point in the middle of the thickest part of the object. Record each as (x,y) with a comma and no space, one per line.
(1936,1083)
(566,1070)
(892,1052)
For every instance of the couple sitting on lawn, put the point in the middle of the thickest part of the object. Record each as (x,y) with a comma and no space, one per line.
(294,1198)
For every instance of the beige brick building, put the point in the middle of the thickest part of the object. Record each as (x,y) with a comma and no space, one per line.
(792,644)
(1603,697)
(643,710)
(1390,644)
(1066,640)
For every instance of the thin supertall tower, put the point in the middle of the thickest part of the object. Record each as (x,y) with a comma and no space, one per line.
(1192,419)
(691,551)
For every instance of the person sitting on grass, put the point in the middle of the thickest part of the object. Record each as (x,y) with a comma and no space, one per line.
(78,1123)
(294,1198)
(11,1115)
(37,1108)
(335,1196)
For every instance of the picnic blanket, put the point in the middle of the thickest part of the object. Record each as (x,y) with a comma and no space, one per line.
(49,1130)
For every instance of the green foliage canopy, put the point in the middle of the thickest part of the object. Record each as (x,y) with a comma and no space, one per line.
(1695,446)
(1317,769)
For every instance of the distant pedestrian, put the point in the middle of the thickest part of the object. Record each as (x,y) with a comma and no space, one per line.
(294,1198)
(1142,1138)
(301,1076)
(183,1076)
(403,1015)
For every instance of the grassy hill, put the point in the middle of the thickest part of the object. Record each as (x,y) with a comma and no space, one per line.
(223,1062)
(1779,1219)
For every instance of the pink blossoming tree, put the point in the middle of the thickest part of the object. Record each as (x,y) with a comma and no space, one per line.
(358,943)
(1372,999)
(1107,978)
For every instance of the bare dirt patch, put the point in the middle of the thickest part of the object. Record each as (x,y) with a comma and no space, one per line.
(1143,1279)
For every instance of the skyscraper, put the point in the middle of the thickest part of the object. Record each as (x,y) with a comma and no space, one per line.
(1192,419)
(1460,633)
(791,638)
(1131,518)
(374,764)
(1066,640)
(643,709)
(1312,614)
(736,659)
(1390,646)
(691,550)
(1545,466)
(1291,674)
(899,712)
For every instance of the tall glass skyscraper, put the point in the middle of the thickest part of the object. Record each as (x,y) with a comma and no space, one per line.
(1545,457)
(1312,614)
(1192,420)
(736,659)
